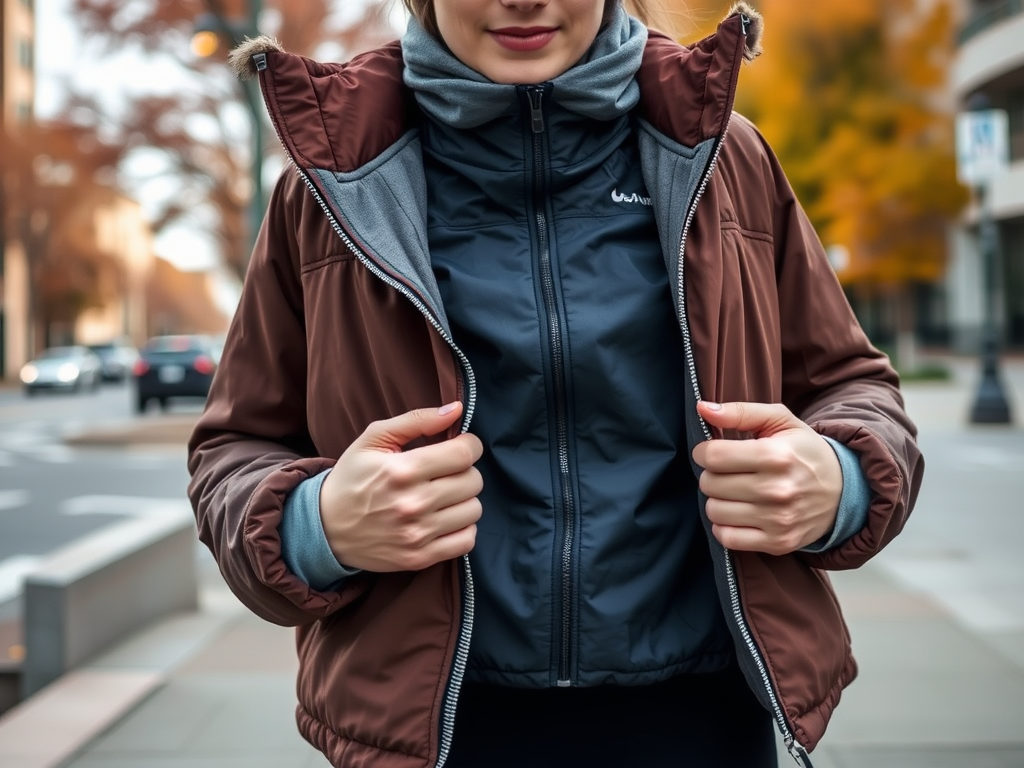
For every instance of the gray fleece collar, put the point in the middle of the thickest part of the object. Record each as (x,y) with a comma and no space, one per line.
(601,86)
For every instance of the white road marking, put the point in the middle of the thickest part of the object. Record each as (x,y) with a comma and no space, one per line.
(156,459)
(24,434)
(14,499)
(33,441)
(73,426)
(51,453)
(12,573)
(132,506)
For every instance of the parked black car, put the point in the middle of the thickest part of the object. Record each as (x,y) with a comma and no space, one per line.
(174,366)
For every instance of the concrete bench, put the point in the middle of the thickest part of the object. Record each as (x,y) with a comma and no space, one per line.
(85,597)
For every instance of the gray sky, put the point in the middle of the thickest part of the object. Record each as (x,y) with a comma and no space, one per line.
(61,57)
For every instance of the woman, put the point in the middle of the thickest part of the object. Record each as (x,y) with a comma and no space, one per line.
(546,221)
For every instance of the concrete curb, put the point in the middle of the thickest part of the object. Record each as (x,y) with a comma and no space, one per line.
(86,597)
(51,727)
(162,430)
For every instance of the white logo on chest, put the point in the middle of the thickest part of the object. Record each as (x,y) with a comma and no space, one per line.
(618,197)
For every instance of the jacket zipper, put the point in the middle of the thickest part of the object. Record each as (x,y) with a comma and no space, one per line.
(468,605)
(535,94)
(458,671)
(796,750)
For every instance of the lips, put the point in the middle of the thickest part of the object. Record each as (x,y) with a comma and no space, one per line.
(523,38)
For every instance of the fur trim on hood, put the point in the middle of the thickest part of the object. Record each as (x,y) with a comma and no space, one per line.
(755,32)
(240,59)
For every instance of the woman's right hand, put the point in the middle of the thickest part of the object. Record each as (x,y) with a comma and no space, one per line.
(386,509)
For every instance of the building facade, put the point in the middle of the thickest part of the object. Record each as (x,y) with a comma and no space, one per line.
(990,62)
(17,94)
(119,229)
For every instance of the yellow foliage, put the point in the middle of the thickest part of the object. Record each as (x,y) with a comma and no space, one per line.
(851,97)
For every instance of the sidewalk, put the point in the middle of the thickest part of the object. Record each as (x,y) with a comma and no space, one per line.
(937,624)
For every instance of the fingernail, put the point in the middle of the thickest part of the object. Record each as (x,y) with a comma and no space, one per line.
(444,410)
(712,406)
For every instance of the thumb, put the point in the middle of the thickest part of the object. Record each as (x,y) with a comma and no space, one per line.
(762,419)
(394,433)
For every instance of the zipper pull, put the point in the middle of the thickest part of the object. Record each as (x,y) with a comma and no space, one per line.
(745,22)
(536,115)
(799,754)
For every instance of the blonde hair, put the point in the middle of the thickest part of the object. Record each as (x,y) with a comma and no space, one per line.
(651,12)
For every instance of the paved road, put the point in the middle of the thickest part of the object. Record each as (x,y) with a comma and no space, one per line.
(52,494)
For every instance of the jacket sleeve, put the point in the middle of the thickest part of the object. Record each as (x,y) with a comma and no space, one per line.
(853,501)
(837,382)
(251,446)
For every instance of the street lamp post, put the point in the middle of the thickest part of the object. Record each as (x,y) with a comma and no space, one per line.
(257,205)
(208,30)
(982,156)
(990,403)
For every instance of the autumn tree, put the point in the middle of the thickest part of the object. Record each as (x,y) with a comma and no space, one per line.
(191,131)
(851,97)
(181,302)
(53,176)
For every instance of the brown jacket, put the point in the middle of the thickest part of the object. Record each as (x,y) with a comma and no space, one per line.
(332,334)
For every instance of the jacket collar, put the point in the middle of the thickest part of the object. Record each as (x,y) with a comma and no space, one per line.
(339,117)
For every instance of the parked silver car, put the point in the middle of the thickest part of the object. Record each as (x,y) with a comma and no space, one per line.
(62,368)
(117,359)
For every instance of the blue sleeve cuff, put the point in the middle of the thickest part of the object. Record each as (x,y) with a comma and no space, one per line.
(852,515)
(304,546)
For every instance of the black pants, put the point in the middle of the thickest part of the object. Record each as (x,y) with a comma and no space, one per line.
(691,720)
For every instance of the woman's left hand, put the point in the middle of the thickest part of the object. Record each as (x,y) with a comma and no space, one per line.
(776,493)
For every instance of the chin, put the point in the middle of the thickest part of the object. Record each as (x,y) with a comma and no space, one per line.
(523,74)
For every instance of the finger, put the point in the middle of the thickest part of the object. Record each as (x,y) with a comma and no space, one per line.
(455,544)
(726,456)
(738,514)
(456,517)
(744,540)
(763,419)
(454,489)
(753,487)
(446,458)
(394,433)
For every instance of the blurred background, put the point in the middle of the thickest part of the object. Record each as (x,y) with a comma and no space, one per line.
(135,167)
(134,174)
